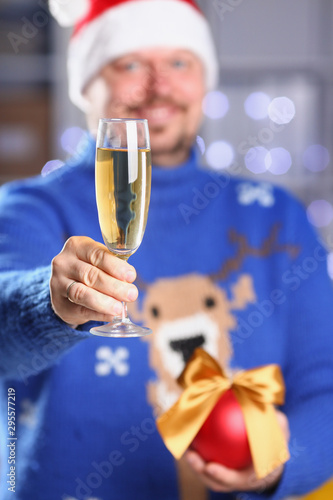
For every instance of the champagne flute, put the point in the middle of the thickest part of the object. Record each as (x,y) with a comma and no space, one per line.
(123,178)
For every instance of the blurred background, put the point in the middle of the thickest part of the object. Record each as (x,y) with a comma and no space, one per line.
(270,119)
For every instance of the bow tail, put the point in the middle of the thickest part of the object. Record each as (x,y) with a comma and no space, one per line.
(180,424)
(267,442)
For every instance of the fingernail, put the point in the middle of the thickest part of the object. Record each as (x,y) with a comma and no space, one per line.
(132,294)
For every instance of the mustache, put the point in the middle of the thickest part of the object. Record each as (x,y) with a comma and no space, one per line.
(138,105)
(155,102)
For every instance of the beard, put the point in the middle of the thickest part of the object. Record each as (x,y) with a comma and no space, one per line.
(164,142)
(171,138)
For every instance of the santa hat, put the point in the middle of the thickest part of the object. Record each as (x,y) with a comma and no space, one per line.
(107,29)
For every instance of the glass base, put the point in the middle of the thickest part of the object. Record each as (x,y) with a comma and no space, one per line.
(120,329)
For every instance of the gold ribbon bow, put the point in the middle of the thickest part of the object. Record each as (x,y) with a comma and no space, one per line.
(256,390)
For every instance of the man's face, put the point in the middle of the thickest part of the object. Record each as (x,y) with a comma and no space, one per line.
(166,86)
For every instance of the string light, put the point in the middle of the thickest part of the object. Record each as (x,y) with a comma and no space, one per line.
(278,161)
(256,105)
(320,213)
(201,144)
(316,158)
(330,265)
(215,105)
(281,110)
(71,138)
(255,160)
(220,155)
(51,166)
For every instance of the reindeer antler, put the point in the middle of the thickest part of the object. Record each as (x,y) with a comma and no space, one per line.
(268,247)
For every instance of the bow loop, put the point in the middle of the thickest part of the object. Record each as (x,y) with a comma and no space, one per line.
(264,384)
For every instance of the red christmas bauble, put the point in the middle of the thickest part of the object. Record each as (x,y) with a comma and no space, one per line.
(223,437)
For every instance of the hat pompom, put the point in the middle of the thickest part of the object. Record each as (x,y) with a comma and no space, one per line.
(68,12)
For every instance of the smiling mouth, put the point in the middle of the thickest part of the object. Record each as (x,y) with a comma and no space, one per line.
(158,114)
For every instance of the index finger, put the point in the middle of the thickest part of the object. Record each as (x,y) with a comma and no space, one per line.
(215,476)
(99,256)
(231,478)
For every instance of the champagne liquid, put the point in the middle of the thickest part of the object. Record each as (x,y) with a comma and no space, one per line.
(122,202)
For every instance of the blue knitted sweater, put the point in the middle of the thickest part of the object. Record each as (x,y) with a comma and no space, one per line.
(227,264)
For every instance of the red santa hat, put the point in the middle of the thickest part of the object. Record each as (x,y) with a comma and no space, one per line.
(107,29)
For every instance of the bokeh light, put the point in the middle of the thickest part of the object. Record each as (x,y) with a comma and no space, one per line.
(316,158)
(256,105)
(330,265)
(320,213)
(201,144)
(281,110)
(71,138)
(215,105)
(50,166)
(255,160)
(220,155)
(278,161)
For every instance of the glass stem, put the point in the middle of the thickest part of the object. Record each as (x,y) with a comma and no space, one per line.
(124,315)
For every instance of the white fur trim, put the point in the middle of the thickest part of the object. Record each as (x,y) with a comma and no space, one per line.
(134,26)
(68,12)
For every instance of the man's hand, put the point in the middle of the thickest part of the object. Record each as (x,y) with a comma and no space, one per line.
(219,478)
(102,281)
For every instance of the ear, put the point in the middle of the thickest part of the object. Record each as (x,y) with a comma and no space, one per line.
(243,292)
(96,95)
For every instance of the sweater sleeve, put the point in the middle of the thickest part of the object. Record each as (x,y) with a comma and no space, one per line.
(308,370)
(32,337)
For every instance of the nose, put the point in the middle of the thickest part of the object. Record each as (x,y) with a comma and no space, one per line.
(159,80)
